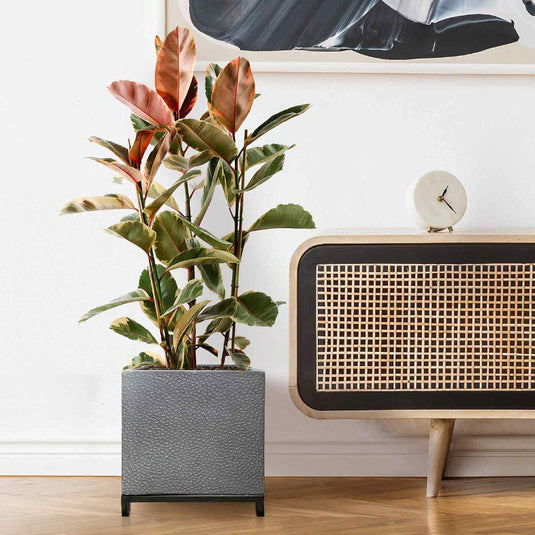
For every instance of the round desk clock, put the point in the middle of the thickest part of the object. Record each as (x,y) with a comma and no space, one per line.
(437,201)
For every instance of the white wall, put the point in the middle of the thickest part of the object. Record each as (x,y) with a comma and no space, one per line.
(365,139)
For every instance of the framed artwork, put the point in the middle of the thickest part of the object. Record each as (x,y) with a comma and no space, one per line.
(374,36)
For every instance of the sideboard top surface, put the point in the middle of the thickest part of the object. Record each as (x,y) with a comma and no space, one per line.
(414,236)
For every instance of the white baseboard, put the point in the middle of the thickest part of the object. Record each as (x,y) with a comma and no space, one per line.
(398,457)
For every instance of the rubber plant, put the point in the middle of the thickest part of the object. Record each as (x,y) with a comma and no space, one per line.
(205,154)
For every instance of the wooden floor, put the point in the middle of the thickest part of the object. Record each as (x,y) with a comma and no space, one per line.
(90,505)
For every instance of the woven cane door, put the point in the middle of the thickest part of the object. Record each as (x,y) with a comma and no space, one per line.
(428,326)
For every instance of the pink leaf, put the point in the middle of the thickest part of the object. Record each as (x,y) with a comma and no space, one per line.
(143,101)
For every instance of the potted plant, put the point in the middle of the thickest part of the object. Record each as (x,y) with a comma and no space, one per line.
(192,432)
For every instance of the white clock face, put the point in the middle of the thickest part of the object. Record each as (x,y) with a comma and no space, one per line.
(437,200)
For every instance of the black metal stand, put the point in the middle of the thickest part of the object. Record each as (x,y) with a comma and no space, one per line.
(127,499)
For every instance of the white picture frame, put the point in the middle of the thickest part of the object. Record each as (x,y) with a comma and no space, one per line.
(498,61)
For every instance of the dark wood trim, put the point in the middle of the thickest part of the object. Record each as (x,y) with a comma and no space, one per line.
(431,253)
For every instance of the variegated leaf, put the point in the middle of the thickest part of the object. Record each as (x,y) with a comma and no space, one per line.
(284,216)
(201,256)
(240,359)
(164,196)
(213,70)
(256,309)
(171,235)
(135,232)
(113,201)
(155,159)
(276,120)
(224,309)
(204,136)
(132,330)
(185,321)
(119,151)
(122,169)
(132,297)
(156,189)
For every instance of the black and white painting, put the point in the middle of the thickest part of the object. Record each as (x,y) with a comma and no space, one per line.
(389,31)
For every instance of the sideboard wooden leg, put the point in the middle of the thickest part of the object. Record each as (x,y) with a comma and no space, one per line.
(440,433)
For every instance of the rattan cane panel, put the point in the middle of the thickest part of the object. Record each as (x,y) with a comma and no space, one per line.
(425,327)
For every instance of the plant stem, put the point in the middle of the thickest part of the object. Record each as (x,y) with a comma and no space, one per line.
(191,276)
(224,352)
(156,289)
(238,230)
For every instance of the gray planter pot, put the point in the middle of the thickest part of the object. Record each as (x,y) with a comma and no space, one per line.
(192,434)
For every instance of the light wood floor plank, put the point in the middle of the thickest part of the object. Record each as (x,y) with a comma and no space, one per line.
(295,506)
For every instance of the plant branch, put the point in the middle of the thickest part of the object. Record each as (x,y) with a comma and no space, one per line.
(156,290)
(238,229)
(191,276)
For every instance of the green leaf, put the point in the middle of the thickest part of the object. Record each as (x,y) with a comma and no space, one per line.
(133,216)
(205,136)
(155,159)
(256,309)
(135,232)
(113,201)
(201,256)
(210,273)
(180,163)
(214,168)
(242,342)
(210,349)
(171,235)
(131,297)
(140,124)
(155,205)
(200,159)
(191,291)
(213,278)
(266,172)
(240,359)
(168,287)
(260,155)
(133,330)
(224,309)
(119,151)
(276,120)
(175,162)
(156,189)
(145,361)
(204,235)
(219,325)
(230,238)
(284,216)
(228,183)
(185,321)
(212,72)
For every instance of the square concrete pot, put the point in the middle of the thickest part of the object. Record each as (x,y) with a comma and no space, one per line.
(191,435)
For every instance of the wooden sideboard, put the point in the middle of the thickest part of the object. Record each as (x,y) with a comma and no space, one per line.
(404,324)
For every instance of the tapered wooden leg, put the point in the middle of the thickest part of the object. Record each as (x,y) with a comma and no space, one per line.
(440,433)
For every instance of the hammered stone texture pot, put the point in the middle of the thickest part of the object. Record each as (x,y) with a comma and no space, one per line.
(198,432)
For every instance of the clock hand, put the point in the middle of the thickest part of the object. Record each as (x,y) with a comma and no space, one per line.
(449,206)
(445,191)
